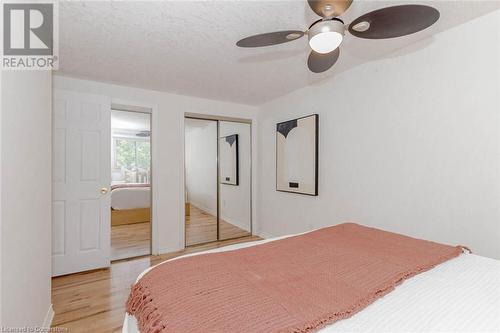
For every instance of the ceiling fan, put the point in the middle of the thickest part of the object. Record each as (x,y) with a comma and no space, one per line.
(143,134)
(326,34)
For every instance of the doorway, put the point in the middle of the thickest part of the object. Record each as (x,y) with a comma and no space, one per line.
(82,172)
(130,184)
(217,180)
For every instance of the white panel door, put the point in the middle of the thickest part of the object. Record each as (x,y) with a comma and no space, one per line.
(81,158)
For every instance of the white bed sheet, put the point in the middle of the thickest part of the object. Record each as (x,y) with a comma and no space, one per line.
(130,198)
(460,295)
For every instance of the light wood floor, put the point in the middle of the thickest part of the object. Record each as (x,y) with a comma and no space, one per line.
(134,240)
(130,240)
(95,301)
(201,227)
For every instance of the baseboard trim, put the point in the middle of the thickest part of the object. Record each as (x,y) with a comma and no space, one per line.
(265,235)
(168,250)
(47,322)
(203,208)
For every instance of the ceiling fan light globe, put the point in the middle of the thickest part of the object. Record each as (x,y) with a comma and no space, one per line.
(326,42)
(326,36)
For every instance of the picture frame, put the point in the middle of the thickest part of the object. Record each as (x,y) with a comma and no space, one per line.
(297,155)
(229,169)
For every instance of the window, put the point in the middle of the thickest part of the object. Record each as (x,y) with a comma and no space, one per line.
(143,154)
(133,158)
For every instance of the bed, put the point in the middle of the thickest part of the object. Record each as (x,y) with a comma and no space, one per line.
(130,203)
(459,295)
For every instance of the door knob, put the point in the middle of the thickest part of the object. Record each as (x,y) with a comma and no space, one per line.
(104,190)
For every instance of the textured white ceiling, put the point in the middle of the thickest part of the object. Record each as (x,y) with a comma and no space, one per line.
(188,47)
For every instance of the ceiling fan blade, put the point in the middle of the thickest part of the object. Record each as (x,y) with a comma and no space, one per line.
(329,8)
(394,21)
(318,62)
(271,38)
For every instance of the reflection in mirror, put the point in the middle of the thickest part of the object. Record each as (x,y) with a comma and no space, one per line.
(201,180)
(130,184)
(234,180)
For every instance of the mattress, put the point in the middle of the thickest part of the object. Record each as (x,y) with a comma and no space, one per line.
(460,295)
(130,198)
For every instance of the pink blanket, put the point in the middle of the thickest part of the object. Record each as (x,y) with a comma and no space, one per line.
(297,284)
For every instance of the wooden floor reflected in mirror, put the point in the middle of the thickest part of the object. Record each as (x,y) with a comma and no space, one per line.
(201,227)
(130,240)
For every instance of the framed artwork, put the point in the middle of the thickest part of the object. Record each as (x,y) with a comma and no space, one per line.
(297,155)
(229,160)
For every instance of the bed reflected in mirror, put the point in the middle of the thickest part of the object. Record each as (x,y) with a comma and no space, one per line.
(130,184)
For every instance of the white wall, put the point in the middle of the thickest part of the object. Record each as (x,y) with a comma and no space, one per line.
(167,147)
(235,200)
(26,198)
(408,144)
(201,165)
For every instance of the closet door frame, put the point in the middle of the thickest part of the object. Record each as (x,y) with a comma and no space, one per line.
(218,120)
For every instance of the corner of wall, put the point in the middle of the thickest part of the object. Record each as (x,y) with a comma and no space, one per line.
(47,322)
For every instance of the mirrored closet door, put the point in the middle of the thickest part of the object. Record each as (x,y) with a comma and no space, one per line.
(234,180)
(200,181)
(217,180)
